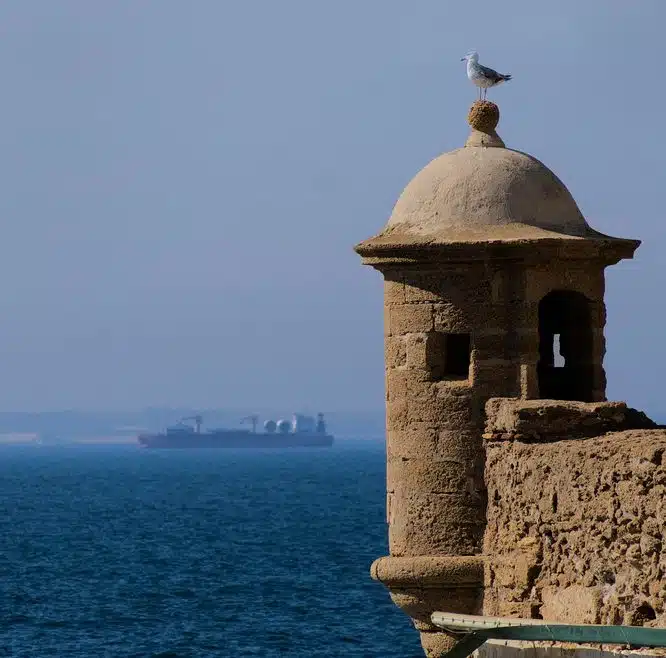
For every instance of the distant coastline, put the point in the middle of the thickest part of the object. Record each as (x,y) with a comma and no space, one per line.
(121,428)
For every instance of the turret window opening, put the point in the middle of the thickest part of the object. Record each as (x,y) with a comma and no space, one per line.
(566,362)
(448,355)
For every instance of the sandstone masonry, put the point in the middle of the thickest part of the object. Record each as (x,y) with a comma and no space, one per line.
(575,521)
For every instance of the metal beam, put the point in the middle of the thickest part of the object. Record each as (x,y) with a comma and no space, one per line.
(475,630)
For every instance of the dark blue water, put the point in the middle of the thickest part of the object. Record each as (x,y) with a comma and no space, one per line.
(123,552)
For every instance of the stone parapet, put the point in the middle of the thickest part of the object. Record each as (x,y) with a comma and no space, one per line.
(551,420)
(575,527)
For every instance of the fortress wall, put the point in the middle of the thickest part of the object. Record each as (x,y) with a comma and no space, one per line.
(576,527)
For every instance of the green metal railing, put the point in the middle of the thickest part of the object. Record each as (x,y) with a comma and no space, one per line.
(476,631)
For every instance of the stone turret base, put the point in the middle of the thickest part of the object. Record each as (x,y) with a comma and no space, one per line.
(419,585)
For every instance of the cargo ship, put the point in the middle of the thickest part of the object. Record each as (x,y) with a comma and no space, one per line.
(302,432)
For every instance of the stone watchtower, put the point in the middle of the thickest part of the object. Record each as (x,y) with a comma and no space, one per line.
(494,287)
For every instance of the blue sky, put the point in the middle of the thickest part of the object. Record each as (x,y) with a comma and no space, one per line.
(183,182)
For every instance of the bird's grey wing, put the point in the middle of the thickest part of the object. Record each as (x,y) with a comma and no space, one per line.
(491,74)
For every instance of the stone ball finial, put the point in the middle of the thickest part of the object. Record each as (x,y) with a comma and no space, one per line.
(483,117)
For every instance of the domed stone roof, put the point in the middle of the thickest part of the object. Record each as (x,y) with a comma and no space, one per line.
(478,190)
(488,196)
(484,192)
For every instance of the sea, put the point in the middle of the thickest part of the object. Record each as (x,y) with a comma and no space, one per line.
(117,551)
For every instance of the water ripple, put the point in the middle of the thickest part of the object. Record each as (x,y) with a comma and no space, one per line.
(120,552)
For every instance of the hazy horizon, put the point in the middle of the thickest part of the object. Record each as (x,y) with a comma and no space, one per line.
(183,185)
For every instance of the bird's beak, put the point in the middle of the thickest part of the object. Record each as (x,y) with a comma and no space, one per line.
(462,59)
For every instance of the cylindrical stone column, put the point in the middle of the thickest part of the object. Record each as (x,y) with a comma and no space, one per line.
(448,339)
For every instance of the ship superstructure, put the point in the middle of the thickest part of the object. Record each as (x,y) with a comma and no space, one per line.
(301,432)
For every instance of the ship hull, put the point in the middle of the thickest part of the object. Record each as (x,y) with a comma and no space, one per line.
(245,440)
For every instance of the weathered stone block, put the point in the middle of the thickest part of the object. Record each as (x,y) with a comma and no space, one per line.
(408,538)
(416,441)
(421,440)
(425,536)
(585,280)
(395,351)
(574,604)
(394,289)
(508,285)
(409,384)
(453,411)
(387,320)
(561,419)
(422,290)
(452,319)
(458,444)
(487,345)
(496,377)
(417,350)
(543,280)
(540,281)
(598,346)
(410,318)
(516,314)
(524,345)
(597,310)
(448,285)
(397,382)
(529,381)
(428,476)
(396,415)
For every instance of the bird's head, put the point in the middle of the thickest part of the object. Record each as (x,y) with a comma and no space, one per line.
(471,56)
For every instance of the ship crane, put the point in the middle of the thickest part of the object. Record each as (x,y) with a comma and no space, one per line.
(254,419)
(198,420)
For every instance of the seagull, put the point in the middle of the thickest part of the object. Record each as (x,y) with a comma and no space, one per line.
(482,76)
